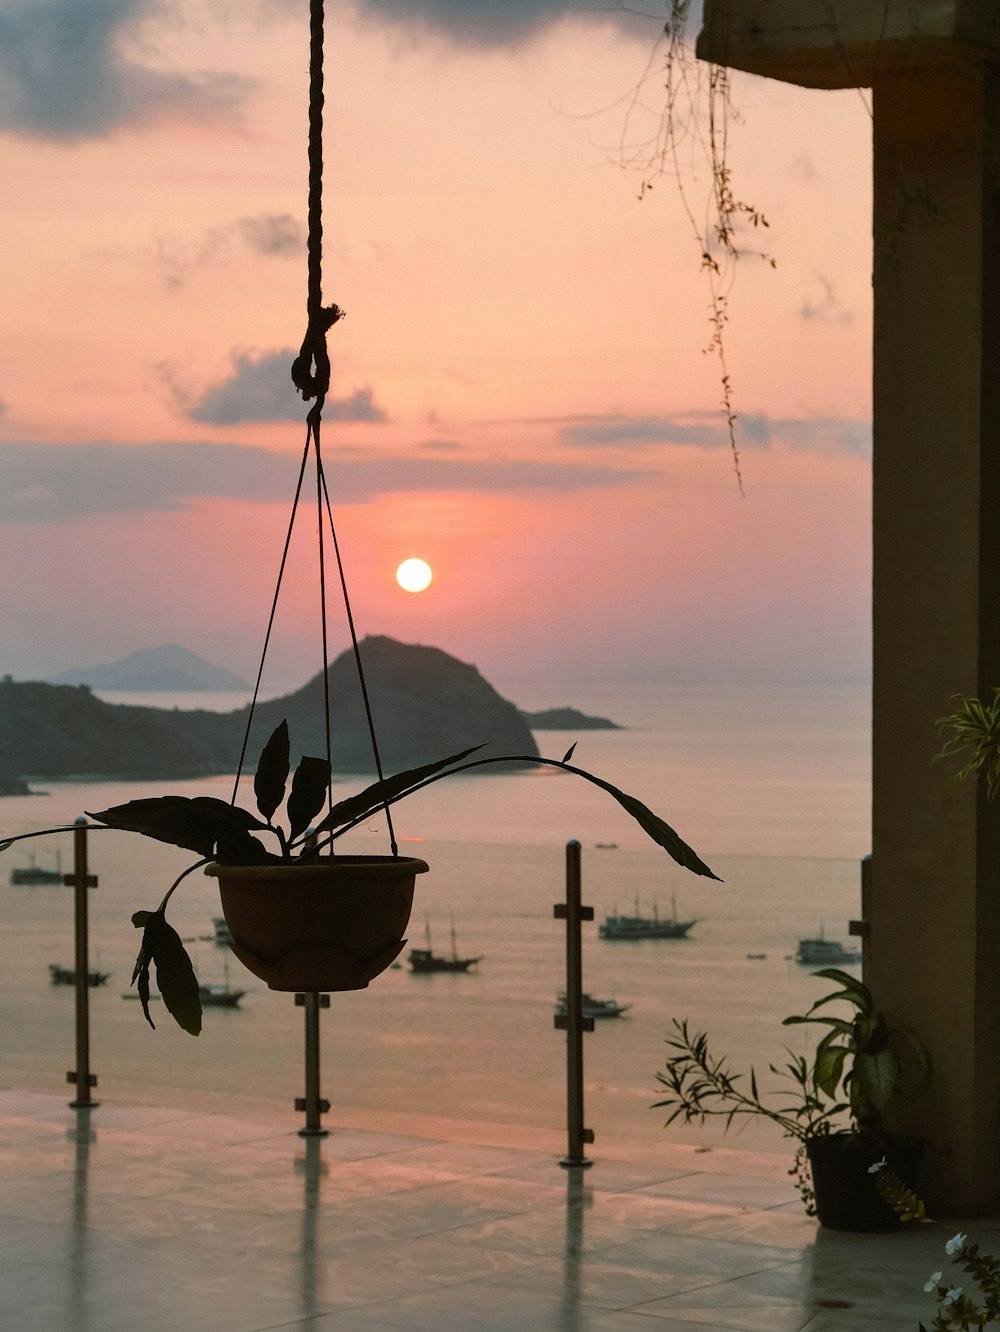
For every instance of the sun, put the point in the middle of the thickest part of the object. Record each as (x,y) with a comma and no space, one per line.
(414,575)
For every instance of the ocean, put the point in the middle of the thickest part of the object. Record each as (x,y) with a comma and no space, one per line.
(770,786)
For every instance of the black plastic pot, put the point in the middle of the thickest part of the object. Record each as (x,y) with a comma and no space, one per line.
(846,1192)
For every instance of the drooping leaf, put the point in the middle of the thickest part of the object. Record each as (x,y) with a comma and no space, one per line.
(197,824)
(175,978)
(309,791)
(829,1068)
(877,1076)
(386,791)
(140,972)
(651,824)
(272,772)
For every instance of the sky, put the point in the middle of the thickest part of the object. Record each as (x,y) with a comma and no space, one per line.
(521,394)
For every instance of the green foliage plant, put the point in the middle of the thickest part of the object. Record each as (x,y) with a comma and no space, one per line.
(857,1067)
(973,731)
(957,1311)
(223,832)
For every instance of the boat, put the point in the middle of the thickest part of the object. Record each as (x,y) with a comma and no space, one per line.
(67,976)
(646,927)
(30,875)
(826,953)
(593,1008)
(222,935)
(425,960)
(216,994)
(220,994)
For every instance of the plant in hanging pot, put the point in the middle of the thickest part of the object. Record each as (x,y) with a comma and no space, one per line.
(302,917)
(831,1104)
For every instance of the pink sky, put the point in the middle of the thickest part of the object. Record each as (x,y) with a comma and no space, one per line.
(527,404)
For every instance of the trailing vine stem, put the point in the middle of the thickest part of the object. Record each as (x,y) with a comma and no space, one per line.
(697,112)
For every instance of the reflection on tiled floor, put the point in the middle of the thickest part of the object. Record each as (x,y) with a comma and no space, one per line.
(153,1220)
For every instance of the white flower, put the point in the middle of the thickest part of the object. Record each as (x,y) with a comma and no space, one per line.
(932,1283)
(879,1165)
(951,1297)
(955,1243)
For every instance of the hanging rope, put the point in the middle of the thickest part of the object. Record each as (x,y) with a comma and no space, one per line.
(311,368)
(311,376)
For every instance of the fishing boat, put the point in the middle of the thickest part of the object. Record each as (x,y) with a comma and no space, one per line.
(592,1008)
(220,994)
(826,953)
(67,976)
(425,959)
(646,927)
(32,874)
(216,994)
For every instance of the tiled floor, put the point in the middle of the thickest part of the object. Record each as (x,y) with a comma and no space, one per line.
(143,1219)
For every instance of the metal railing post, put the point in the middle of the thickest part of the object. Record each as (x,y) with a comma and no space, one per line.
(312,1103)
(574,1023)
(81,882)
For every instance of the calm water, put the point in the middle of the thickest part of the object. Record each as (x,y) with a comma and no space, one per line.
(771,787)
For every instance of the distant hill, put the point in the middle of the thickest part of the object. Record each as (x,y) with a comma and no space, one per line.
(426,703)
(168,668)
(568,719)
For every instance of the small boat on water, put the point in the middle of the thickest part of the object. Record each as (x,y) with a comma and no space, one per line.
(591,1007)
(646,927)
(67,976)
(216,994)
(32,874)
(826,953)
(425,960)
(220,994)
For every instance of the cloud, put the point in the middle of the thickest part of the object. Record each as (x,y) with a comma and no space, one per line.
(819,434)
(269,235)
(825,306)
(64,74)
(273,234)
(493,23)
(58,483)
(260,389)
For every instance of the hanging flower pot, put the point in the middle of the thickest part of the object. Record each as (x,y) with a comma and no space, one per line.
(302,918)
(334,924)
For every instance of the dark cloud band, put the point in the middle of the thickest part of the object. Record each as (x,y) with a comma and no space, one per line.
(56,483)
(63,74)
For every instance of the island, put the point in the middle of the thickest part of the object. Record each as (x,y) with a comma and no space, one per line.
(426,704)
(568,719)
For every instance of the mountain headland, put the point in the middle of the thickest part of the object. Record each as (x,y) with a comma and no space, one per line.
(426,704)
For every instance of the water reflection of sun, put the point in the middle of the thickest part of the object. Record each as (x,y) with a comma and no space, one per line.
(414,575)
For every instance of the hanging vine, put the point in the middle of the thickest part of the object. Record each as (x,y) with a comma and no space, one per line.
(694,122)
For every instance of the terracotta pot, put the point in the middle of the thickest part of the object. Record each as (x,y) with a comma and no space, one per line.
(333,925)
(846,1193)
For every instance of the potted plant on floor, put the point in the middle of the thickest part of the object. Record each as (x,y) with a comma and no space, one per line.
(302,917)
(833,1109)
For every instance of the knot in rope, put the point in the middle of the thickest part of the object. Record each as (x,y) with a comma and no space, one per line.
(311,368)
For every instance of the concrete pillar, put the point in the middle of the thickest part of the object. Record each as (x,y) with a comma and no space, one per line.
(932,956)
(935,916)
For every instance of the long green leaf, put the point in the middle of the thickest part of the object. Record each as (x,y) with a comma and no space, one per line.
(271,776)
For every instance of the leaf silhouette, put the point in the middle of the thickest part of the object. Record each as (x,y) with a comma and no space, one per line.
(272,772)
(309,791)
(198,824)
(175,978)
